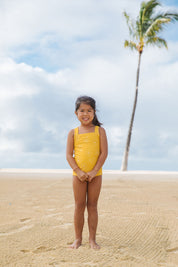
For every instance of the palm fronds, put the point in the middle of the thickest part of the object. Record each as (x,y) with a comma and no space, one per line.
(131,26)
(157,41)
(156,26)
(130,44)
(150,22)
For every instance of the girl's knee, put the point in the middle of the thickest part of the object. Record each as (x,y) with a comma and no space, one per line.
(92,206)
(80,206)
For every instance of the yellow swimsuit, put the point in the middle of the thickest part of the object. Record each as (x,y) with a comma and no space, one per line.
(87,150)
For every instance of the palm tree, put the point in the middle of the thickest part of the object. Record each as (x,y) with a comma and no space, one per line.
(144,31)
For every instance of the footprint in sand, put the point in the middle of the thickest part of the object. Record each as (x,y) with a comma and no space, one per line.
(172,249)
(25,219)
(42,249)
(25,250)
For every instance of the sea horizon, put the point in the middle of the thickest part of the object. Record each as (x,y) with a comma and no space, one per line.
(67,173)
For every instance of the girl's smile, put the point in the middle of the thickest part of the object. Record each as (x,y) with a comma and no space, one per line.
(85,114)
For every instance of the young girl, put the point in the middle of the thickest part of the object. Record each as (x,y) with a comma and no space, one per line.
(86,154)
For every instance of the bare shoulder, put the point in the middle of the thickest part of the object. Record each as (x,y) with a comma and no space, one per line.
(102,131)
(70,143)
(103,141)
(71,133)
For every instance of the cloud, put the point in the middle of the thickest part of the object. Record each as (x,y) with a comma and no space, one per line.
(59,33)
(33,110)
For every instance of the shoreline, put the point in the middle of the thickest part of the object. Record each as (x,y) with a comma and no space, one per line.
(67,173)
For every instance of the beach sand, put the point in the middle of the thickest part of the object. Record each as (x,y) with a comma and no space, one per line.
(138,222)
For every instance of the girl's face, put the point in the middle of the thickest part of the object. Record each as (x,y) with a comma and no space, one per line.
(85,114)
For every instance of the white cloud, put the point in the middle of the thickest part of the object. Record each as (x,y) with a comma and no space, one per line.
(9,145)
(33,103)
(42,24)
(116,136)
(17,79)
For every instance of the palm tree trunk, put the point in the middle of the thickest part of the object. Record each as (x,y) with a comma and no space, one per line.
(127,147)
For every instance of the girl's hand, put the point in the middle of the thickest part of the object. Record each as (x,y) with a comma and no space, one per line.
(82,176)
(91,175)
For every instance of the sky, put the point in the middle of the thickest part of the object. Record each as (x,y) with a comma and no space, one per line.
(53,51)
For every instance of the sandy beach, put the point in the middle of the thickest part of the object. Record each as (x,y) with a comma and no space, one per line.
(138,220)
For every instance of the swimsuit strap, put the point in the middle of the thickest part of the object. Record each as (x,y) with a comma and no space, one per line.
(76,131)
(97,130)
(75,134)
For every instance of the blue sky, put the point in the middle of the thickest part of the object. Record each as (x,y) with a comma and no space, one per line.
(53,51)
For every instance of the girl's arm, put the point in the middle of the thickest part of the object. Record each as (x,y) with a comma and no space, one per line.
(69,156)
(103,154)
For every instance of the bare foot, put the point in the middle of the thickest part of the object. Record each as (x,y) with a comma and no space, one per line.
(94,245)
(77,243)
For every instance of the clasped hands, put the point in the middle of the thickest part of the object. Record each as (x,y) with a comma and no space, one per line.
(85,176)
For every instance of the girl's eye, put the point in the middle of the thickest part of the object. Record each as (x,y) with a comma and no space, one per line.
(82,110)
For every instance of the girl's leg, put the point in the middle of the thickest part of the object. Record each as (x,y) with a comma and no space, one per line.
(94,188)
(80,189)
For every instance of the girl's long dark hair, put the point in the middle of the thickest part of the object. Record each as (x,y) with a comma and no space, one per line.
(89,101)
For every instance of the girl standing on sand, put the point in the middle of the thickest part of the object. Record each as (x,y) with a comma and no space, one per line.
(86,153)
